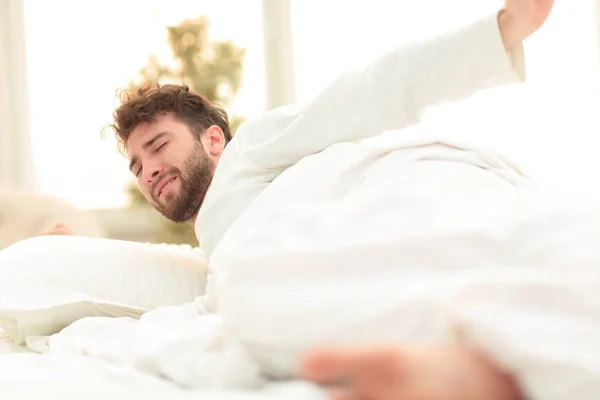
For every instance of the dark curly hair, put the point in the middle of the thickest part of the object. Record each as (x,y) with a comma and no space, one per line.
(153,99)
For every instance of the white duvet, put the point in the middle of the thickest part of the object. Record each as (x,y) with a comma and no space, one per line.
(415,244)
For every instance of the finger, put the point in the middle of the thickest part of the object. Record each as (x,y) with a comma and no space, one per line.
(338,365)
(343,394)
(329,365)
(61,229)
(58,231)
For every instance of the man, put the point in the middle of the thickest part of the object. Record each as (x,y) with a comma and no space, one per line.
(190,169)
(176,140)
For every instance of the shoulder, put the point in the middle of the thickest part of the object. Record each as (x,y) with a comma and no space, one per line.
(268,125)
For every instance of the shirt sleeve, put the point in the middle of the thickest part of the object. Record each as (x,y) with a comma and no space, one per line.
(389,94)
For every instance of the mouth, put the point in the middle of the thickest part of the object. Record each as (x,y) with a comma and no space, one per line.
(162,185)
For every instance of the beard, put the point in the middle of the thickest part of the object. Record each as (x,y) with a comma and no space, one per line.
(195,177)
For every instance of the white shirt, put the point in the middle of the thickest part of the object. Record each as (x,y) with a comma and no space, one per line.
(390,93)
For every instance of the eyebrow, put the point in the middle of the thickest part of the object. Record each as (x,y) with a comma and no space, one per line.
(145,146)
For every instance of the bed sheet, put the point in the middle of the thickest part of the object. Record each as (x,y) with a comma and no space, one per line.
(27,376)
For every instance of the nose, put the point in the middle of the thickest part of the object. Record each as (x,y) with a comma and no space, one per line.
(151,173)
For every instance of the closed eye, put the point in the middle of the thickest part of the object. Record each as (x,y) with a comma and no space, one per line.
(161,146)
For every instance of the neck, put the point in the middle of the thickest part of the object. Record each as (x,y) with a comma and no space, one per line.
(192,221)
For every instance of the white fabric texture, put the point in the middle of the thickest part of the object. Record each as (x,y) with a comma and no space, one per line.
(420,253)
(449,248)
(8,345)
(390,94)
(28,311)
(33,376)
(50,281)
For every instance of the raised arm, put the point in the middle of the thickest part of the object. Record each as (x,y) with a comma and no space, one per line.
(389,94)
(394,91)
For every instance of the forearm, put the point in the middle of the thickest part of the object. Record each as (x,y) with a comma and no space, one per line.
(510,35)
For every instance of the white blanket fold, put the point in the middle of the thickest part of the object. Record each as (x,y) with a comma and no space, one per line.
(474,257)
(176,343)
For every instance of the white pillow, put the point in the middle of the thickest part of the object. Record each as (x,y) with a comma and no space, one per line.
(48,282)
(43,311)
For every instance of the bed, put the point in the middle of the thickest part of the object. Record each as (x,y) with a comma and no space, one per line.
(26,374)
(84,298)
(127,299)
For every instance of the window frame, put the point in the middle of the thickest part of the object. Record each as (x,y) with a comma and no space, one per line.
(16,165)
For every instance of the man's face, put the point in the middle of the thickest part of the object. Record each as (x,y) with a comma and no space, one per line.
(171,165)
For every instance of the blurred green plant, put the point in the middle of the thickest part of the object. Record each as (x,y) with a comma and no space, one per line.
(211,68)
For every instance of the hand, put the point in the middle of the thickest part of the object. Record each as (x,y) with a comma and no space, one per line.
(520,18)
(391,372)
(58,229)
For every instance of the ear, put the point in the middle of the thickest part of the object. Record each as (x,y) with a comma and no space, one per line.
(213,141)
